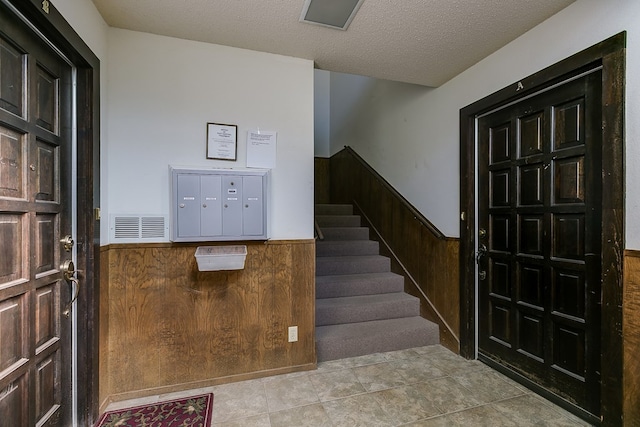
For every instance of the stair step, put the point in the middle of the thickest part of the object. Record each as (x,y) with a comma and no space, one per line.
(364,308)
(345,285)
(338,220)
(352,265)
(333,209)
(356,339)
(345,233)
(346,247)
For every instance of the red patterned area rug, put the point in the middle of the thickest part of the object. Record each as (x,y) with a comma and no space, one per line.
(194,411)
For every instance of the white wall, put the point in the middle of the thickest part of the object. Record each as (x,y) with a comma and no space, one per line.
(163,91)
(411,136)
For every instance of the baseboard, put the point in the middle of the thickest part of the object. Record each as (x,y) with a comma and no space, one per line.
(203,383)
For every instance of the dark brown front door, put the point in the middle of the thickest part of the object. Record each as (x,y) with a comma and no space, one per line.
(539,220)
(35,200)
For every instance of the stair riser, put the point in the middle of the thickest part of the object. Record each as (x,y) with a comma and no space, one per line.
(356,247)
(366,313)
(326,267)
(345,233)
(338,220)
(348,289)
(334,210)
(330,347)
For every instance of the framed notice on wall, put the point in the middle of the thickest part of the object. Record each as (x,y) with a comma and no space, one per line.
(222,141)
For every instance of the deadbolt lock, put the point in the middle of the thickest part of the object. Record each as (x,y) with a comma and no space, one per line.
(68,242)
(482,233)
(482,275)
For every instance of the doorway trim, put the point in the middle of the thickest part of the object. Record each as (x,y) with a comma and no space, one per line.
(57,30)
(610,54)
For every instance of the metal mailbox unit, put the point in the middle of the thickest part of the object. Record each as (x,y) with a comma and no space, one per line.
(219,204)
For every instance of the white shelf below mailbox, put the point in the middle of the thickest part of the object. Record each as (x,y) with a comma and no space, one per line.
(215,258)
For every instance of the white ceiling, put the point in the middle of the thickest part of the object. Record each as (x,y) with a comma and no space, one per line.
(425,42)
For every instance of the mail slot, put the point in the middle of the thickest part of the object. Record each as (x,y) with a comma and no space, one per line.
(219,204)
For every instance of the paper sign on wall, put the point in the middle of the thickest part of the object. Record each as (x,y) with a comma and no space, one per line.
(261,149)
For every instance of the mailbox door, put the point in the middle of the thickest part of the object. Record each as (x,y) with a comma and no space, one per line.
(231,205)
(188,215)
(253,208)
(211,205)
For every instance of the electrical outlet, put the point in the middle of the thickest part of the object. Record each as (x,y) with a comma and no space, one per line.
(293,333)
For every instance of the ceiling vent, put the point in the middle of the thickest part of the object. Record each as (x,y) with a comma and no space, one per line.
(336,14)
(128,228)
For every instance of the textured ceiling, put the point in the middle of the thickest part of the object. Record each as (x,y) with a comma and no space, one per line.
(425,42)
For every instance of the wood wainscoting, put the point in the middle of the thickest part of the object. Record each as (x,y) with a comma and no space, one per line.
(419,251)
(165,326)
(631,338)
(321,180)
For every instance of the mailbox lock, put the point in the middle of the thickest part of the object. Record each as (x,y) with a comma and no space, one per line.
(182,205)
(204,205)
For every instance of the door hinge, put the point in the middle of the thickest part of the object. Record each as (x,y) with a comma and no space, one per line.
(96,212)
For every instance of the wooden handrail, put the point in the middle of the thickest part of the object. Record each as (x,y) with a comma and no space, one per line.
(407,274)
(319,235)
(417,215)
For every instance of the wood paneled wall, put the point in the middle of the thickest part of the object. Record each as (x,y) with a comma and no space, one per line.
(321,178)
(631,338)
(429,258)
(166,326)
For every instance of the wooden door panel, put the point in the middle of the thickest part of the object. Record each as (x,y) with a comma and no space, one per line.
(568,290)
(530,129)
(569,350)
(12,164)
(13,401)
(568,236)
(530,333)
(499,231)
(569,124)
(11,263)
(530,236)
(47,303)
(499,187)
(500,278)
(531,189)
(46,244)
(45,386)
(569,180)
(530,284)
(499,144)
(538,201)
(12,83)
(13,347)
(500,322)
(47,100)
(46,171)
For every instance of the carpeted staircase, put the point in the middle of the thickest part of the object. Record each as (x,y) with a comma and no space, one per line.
(361,306)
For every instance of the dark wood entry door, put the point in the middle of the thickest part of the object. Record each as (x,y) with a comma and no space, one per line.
(35,200)
(540,206)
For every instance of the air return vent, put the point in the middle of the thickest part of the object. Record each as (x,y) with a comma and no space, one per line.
(126,228)
(336,14)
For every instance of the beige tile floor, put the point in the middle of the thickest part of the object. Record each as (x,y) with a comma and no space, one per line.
(419,387)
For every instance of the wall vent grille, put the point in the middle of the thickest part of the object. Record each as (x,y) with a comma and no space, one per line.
(127,228)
